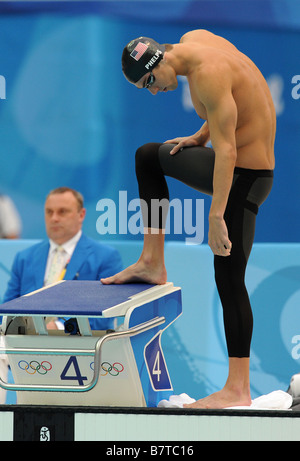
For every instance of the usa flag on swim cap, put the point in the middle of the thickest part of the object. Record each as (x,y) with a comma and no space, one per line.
(138,51)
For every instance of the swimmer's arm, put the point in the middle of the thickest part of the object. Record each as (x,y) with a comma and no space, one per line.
(222,123)
(222,120)
(203,135)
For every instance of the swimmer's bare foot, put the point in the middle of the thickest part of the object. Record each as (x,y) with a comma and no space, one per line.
(236,391)
(150,268)
(139,272)
(222,399)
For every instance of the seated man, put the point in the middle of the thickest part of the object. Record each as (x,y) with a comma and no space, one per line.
(80,258)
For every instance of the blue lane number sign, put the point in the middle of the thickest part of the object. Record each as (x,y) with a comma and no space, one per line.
(156,365)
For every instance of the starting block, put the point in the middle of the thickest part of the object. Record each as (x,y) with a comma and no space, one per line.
(120,367)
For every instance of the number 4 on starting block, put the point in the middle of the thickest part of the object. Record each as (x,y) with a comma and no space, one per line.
(156,365)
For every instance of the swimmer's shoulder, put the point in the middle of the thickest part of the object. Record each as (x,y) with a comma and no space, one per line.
(207,39)
(195,35)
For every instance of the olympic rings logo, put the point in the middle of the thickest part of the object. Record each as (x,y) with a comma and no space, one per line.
(35,367)
(112,369)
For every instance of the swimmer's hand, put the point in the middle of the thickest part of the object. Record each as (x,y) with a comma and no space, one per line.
(200,138)
(218,237)
(182,142)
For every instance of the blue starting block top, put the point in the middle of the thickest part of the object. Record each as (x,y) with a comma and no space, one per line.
(74,298)
(135,347)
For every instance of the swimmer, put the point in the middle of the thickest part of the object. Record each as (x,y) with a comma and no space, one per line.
(232,97)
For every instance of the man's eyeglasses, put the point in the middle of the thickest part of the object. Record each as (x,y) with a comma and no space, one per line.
(150,81)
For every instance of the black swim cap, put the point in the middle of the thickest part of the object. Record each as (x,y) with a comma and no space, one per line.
(141,56)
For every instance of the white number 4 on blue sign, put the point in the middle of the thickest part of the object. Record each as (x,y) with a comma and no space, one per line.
(156,365)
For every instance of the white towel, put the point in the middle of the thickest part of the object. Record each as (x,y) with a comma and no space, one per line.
(176,401)
(276,400)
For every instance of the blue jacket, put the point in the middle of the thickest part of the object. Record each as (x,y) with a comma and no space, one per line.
(91,260)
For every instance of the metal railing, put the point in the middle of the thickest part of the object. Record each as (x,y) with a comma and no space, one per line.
(77,352)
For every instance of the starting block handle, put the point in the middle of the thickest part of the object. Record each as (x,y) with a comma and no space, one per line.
(94,352)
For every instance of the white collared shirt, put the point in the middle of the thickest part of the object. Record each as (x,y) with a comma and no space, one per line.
(69,248)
